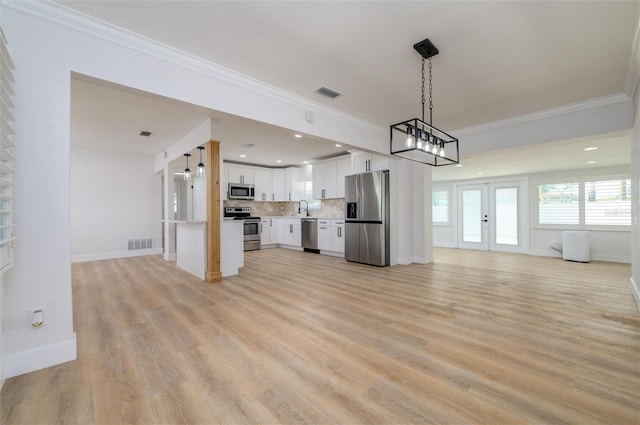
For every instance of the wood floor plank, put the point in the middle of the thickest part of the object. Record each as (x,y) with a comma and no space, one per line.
(472,338)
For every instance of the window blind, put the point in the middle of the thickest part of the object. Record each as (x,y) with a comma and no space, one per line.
(608,202)
(559,203)
(440,206)
(7,159)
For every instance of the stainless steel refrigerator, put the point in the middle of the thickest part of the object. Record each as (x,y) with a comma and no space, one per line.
(367,221)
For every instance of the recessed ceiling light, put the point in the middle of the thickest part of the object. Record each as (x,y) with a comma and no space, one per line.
(480,173)
(243,156)
(459,165)
(338,145)
(278,160)
(306,162)
(298,136)
(591,162)
(591,148)
(145,133)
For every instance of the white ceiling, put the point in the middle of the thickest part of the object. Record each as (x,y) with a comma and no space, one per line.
(497,60)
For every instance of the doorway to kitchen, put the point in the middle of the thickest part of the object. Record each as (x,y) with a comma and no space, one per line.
(493,216)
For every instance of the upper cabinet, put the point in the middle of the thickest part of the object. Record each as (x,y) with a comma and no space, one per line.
(240,174)
(264,184)
(328,178)
(293,189)
(279,189)
(362,162)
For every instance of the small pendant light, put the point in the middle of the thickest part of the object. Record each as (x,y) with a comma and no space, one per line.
(200,169)
(187,171)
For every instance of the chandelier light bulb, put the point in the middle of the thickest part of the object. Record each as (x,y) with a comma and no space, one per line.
(419,144)
(409,141)
(187,171)
(200,168)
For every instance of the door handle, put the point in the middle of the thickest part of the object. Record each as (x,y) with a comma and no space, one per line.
(485,220)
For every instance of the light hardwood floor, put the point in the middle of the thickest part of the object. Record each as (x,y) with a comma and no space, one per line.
(474,337)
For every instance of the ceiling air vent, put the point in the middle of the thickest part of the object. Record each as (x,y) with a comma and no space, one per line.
(327,92)
(145,133)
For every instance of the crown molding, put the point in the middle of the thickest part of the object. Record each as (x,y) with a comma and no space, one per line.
(77,21)
(546,113)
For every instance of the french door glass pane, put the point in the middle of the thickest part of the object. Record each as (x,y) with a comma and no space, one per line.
(471,214)
(507,216)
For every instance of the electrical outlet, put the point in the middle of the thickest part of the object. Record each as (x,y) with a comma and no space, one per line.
(38,318)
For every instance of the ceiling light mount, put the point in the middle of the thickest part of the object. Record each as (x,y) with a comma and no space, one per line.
(417,140)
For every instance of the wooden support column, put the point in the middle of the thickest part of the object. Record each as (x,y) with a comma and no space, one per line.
(214,274)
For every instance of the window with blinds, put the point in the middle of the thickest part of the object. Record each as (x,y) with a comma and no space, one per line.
(559,203)
(6,157)
(440,207)
(607,202)
(590,201)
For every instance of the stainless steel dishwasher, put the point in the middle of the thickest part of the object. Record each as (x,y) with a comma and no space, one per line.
(309,234)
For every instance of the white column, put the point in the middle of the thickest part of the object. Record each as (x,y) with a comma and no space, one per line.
(411,231)
(169,228)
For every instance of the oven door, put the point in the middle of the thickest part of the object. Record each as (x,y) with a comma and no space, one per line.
(251,230)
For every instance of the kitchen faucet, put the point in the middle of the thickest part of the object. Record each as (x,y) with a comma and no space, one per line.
(306,208)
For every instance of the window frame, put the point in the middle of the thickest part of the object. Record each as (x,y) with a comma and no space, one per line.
(448,191)
(581,180)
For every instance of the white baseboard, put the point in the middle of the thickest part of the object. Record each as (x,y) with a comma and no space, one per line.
(414,260)
(112,255)
(594,257)
(332,253)
(636,293)
(611,258)
(445,245)
(39,358)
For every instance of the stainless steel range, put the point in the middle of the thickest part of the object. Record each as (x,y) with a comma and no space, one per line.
(251,225)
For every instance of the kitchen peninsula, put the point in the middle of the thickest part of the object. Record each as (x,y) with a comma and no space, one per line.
(191,247)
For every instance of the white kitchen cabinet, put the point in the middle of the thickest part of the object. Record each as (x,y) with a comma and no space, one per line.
(328,178)
(292,186)
(324,235)
(274,231)
(337,236)
(240,174)
(324,179)
(343,169)
(290,232)
(265,238)
(224,182)
(361,162)
(269,231)
(278,181)
(263,184)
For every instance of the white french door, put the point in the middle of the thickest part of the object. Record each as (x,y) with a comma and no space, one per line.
(473,213)
(492,216)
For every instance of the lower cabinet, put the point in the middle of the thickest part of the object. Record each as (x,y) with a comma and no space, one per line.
(269,231)
(324,235)
(290,232)
(337,236)
(331,235)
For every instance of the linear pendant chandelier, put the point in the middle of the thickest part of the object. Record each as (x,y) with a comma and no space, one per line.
(417,140)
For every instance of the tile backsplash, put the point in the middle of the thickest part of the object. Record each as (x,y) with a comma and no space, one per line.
(329,208)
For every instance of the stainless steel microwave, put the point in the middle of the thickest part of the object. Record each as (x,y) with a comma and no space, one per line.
(241,191)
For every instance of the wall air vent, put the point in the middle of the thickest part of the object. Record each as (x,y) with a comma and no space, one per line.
(145,133)
(143,243)
(327,92)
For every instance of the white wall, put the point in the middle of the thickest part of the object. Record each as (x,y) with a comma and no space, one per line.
(635,197)
(49,44)
(606,245)
(114,197)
